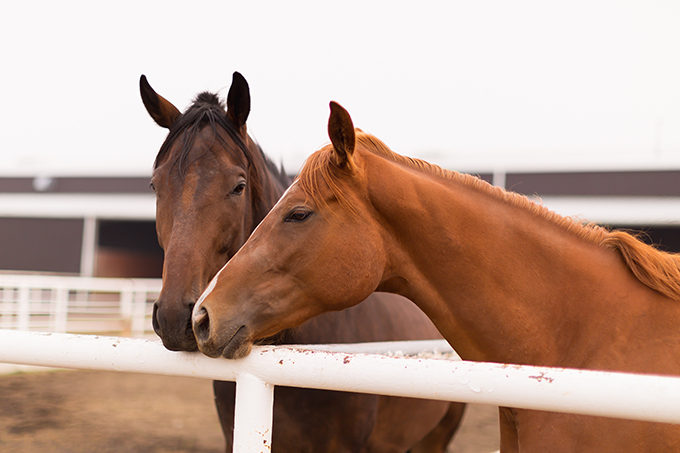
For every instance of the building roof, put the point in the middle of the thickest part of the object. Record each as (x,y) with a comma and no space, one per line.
(624,197)
(120,198)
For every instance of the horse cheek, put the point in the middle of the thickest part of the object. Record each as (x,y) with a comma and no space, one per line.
(362,275)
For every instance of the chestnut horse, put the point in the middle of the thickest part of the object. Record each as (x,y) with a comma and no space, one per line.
(504,279)
(213,186)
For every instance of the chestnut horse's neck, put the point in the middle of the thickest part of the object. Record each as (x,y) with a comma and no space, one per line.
(503,279)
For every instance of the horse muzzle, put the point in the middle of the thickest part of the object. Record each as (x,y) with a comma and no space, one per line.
(173,326)
(232,342)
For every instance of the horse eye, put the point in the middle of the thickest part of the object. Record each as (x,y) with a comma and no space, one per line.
(298,215)
(152,186)
(238,190)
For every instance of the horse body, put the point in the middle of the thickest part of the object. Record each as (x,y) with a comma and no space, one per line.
(503,279)
(540,272)
(213,186)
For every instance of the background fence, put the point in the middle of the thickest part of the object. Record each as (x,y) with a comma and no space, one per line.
(77,305)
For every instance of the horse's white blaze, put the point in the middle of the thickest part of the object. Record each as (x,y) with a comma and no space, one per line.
(207,292)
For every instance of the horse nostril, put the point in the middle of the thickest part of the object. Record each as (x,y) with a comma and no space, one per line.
(202,324)
(154,319)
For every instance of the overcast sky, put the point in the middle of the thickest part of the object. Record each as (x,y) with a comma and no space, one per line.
(469,85)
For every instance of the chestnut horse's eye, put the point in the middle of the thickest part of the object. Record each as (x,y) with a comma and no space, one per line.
(152,186)
(238,190)
(298,215)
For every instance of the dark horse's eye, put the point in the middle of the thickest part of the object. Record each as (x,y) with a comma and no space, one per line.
(152,186)
(238,190)
(298,215)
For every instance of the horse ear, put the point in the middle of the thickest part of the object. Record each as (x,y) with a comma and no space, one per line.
(162,111)
(238,101)
(341,133)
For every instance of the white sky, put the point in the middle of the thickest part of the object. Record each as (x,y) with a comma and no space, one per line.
(469,85)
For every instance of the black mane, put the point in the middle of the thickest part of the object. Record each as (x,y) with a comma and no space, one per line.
(208,109)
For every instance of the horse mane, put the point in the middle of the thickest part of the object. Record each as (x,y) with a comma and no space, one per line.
(208,110)
(658,270)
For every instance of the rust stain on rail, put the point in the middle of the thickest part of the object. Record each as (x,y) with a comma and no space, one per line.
(542,377)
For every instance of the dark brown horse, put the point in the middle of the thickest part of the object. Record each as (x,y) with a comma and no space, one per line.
(504,279)
(213,186)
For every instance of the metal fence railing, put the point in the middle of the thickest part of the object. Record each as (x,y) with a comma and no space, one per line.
(340,367)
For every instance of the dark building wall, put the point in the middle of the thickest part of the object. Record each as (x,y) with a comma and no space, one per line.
(41,245)
(666,238)
(128,249)
(107,185)
(620,183)
(129,235)
(124,248)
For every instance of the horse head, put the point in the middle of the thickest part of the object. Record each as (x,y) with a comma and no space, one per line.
(314,252)
(213,185)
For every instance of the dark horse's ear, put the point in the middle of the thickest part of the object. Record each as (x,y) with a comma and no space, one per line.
(162,111)
(238,101)
(341,133)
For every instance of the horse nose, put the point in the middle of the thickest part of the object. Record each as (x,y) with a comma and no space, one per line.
(172,323)
(201,324)
(154,320)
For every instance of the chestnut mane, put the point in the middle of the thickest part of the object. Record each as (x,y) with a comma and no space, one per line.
(656,269)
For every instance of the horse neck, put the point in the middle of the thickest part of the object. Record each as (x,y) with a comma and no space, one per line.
(272,185)
(501,283)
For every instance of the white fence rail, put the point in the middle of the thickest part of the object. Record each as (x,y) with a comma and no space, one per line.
(123,306)
(638,397)
(112,306)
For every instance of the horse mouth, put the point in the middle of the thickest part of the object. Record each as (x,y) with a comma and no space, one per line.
(239,345)
(186,343)
(236,347)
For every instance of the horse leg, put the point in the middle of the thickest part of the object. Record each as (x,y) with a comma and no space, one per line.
(225,399)
(508,426)
(303,422)
(311,421)
(414,417)
(439,438)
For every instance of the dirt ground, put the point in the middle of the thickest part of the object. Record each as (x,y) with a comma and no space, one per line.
(102,412)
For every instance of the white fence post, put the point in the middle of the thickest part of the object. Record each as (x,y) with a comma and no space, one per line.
(7,307)
(60,301)
(126,300)
(89,247)
(138,310)
(24,312)
(253,415)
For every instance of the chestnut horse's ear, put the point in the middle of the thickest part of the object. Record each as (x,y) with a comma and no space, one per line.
(238,101)
(341,133)
(162,111)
